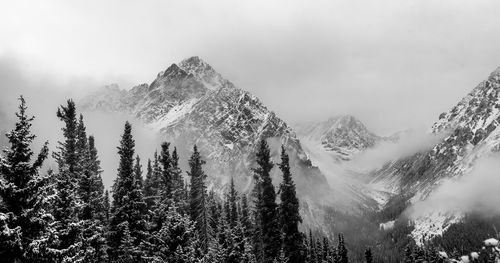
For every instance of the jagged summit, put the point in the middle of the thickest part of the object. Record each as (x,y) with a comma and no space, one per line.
(203,72)
(495,74)
(343,134)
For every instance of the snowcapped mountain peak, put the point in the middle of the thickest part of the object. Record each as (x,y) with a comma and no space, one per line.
(173,71)
(191,103)
(194,62)
(343,134)
(495,74)
(203,72)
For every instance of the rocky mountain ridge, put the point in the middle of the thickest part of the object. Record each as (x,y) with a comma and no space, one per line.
(190,103)
(470,132)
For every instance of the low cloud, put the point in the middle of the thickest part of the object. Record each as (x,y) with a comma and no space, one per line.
(409,143)
(475,192)
(45,92)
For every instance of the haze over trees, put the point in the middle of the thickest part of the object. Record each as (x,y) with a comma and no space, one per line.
(153,214)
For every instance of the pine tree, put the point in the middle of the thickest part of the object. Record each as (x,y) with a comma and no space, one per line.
(67,155)
(368,256)
(342,250)
(81,147)
(198,210)
(100,206)
(178,190)
(214,214)
(127,250)
(177,239)
(312,248)
(266,204)
(319,251)
(152,183)
(128,205)
(233,210)
(326,250)
(107,206)
(91,194)
(245,216)
(289,213)
(138,172)
(67,200)
(24,221)
(408,256)
(166,180)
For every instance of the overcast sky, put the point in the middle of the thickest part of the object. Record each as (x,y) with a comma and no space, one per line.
(394,64)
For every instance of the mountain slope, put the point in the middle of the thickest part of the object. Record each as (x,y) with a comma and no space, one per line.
(190,103)
(470,131)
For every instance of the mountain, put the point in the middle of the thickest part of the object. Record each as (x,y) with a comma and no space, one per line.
(470,132)
(190,103)
(343,136)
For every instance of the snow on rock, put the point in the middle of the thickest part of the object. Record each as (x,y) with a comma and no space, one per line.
(345,136)
(190,103)
(442,255)
(387,225)
(491,242)
(470,132)
(434,224)
(464,259)
(173,115)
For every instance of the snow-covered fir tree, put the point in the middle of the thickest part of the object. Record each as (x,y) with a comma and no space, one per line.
(198,198)
(128,212)
(268,233)
(289,214)
(67,204)
(25,229)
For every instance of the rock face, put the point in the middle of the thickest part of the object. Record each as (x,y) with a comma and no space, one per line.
(190,103)
(470,131)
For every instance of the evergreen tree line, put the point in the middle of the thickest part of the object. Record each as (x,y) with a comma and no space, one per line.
(66,215)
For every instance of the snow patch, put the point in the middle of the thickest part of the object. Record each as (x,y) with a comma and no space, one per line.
(173,115)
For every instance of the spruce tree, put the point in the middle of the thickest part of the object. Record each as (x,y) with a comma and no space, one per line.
(24,221)
(197,204)
(138,172)
(266,205)
(152,183)
(99,202)
(368,255)
(129,208)
(148,186)
(319,251)
(178,190)
(91,195)
(166,179)
(245,216)
(326,250)
(233,209)
(342,250)
(67,155)
(67,202)
(312,248)
(176,240)
(289,213)
(107,206)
